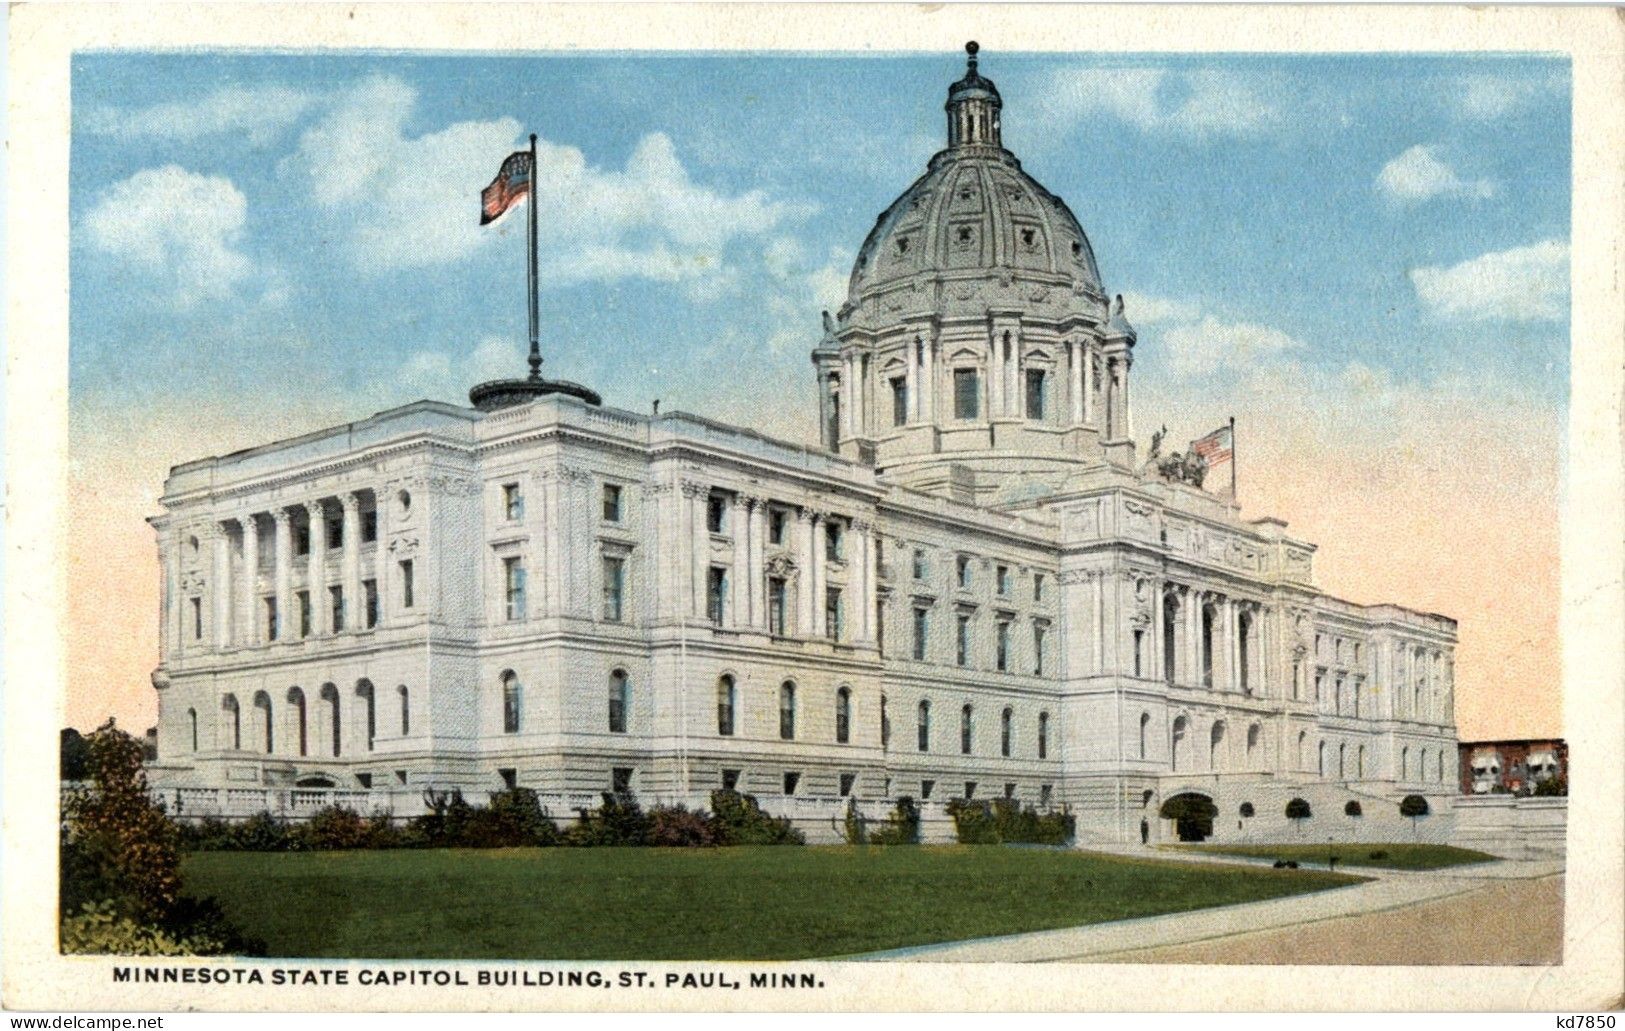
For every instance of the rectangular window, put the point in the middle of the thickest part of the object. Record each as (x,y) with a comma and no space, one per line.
(510,777)
(197,619)
(899,400)
(270,619)
(716,590)
(1044,792)
(620,780)
(369,525)
(919,563)
(847,782)
(832,613)
(775,606)
(730,780)
(614,582)
(513,503)
(1038,587)
(963,572)
(970,789)
(513,588)
(301,539)
(1139,653)
(407,599)
(1003,580)
(834,538)
(335,596)
(962,641)
(792,780)
(775,526)
(1001,658)
(335,533)
(1009,790)
(1038,648)
(926,787)
(304,613)
(967,394)
(919,633)
(612,503)
(716,513)
(1035,393)
(369,594)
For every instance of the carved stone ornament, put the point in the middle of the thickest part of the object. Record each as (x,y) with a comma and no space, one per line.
(780,566)
(1182,467)
(403,546)
(1075,576)
(453,486)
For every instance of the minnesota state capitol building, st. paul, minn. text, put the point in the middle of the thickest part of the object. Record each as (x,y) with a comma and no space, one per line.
(973,585)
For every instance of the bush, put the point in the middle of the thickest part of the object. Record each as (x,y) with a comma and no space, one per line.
(740,821)
(1352,808)
(1298,809)
(973,822)
(335,828)
(443,825)
(512,819)
(1551,787)
(1006,820)
(854,826)
(1247,809)
(675,826)
(99,928)
(902,827)
(618,821)
(1379,854)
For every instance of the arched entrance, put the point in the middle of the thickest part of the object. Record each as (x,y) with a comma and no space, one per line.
(1192,815)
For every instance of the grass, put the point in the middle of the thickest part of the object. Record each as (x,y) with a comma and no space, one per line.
(673,904)
(1400,855)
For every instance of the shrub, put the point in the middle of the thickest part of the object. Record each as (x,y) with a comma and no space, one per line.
(74,758)
(443,825)
(1006,820)
(675,826)
(1352,808)
(99,928)
(1247,809)
(512,819)
(902,827)
(1413,806)
(1551,787)
(973,822)
(1298,809)
(336,827)
(853,827)
(618,821)
(740,821)
(1380,853)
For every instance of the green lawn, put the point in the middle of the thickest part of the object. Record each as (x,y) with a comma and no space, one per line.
(732,903)
(1401,855)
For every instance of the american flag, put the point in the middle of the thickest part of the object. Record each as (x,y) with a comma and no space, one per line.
(1217,447)
(511,186)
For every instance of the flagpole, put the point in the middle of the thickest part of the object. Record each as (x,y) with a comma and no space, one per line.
(535,344)
(1233,500)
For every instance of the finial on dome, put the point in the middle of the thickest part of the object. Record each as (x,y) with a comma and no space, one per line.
(973,106)
(970,50)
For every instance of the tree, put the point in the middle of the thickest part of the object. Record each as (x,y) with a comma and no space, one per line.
(75,755)
(1297,811)
(117,843)
(1352,808)
(1413,806)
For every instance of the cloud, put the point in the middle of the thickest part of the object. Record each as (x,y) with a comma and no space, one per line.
(1420,174)
(1521,284)
(1144,310)
(259,112)
(408,201)
(176,229)
(1197,104)
(1195,348)
(1490,97)
(444,376)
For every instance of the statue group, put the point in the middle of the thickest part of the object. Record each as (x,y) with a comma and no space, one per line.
(1179,467)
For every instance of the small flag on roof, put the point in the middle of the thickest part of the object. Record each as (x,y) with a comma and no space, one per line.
(511,186)
(1216,447)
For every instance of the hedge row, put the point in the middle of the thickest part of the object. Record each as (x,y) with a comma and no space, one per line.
(1005,820)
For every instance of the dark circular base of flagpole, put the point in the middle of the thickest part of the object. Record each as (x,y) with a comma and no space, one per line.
(506,393)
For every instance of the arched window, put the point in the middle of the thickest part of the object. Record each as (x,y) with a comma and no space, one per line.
(1359,762)
(406,706)
(298,718)
(1170,640)
(231,721)
(512,699)
(330,698)
(967,729)
(1438,768)
(1207,646)
(620,701)
(787,711)
(1215,752)
(1255,735)
(1005,719)
(262,717)
(1244,630)
(1321,760)
(191,719)
(1303,739)
(1179,745)
(1145,723)
(725,705)
(1043,735)
(925,726)
(369,705)
(885,724)
(843,715)
(1342,766)
(1405,763)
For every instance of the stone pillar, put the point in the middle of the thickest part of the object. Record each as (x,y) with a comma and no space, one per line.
(805,548)
(286,618)
(1193,636)
(911,381)
(819,577)
(870,599)
(1154,632)
(382,569)
(1128,410)
(1074,387)
(995,376)
(928,389)
(740,588)
(250,625)
(1088,385)
(849,398)
(221,587)
(316,577)
(756,569)
(351,560)
(698,495)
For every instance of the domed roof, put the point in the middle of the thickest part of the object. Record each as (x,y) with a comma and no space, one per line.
(975,211)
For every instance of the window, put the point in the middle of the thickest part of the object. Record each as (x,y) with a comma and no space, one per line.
(1009,790)
(1005,720)
(970,790)
(513,579)
(899,400)
(832,613)
(919,563)
(620,700)
(301,539)
(510,702)
(335,533)
(962,571)
(1207,646)
(197,619)
(620,780)
(967,729)
(407,593)
(1001,649)
(1035,393)
(335,596)
(725,706)
(614,582)
(1001,580)
(730,780)
(1038,649)
(369,701)
(1038,587)
(848,780)
(510,777)
(1244,632)
(962,641)
(1170,638)
(924,727)
(775,606)
(1139,653)
(406,709)
(304,613)
(792,780)
(400,775)
(787,711)
(1145,722)
(330,699)
(843,716)
(1043,735)
(369,525)
(775,526)
(369,596)
(612,503)
(716,588)
(834,539)
(191,718)
(270,619)
(1044,793)
(262,716)
(967,394)
(716,513)
(885,724)
(926,787)
(919,632)
(513,503)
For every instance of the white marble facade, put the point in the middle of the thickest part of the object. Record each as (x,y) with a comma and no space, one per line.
(971,584)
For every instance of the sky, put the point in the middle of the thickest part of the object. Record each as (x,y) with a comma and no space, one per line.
(1362,258)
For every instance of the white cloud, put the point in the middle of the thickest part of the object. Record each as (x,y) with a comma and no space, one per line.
(410,201)
(1520,284)
(443,376)
(1212,345)
(1198,104)
(258,112)
(1420,174)
(800,283)
(178,230)
(1490,97)
(1145,310)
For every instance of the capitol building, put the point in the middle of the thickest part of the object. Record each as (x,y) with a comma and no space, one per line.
(973,584)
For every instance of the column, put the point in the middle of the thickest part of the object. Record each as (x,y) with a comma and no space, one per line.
(849,396)
(1098,582)
(316,577)
(1088,374)
(928,378)
(222,593)
(351,560)
(805,528)
(249,627)
(995,377)
(857,591)
(170,556)
(871,583)
(818,574)
(1074,375)
(757,568)
(911,379)
(1193,636)
(698,495)
(552,547)
(1128,411)
(740,590)
(382,571)
(286,618)
(1154,631)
